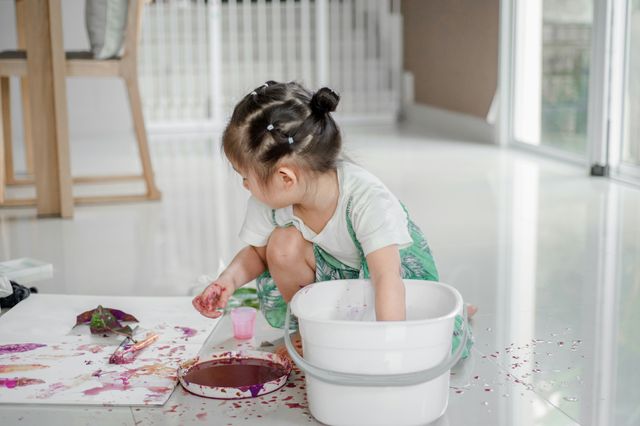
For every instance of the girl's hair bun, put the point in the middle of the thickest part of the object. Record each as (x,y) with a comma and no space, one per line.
(324,101)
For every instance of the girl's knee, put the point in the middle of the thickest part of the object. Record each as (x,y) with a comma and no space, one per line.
(285,245)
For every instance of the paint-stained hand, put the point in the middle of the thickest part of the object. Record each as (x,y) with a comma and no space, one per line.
(212,301)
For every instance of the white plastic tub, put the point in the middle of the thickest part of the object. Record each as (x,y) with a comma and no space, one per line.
(363,372)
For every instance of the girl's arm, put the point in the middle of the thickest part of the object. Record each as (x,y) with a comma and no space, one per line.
(247,265)
(384,266)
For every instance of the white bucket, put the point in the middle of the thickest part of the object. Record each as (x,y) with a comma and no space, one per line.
(363,372)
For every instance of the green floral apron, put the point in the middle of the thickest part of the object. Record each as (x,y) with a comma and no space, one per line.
(416,263)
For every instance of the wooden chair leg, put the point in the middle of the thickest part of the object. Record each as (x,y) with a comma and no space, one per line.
(26,120)
(141,135)
(7,161)
(22,24)
(3,136)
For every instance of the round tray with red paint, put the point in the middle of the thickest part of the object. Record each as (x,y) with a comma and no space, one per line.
(228,375)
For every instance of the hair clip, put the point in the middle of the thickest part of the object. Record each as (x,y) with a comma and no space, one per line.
(290,140)
(254,93)
(270,127)
(265,85)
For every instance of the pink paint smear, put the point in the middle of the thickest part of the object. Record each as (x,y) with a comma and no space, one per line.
(121,381)
(106,387)
(20,367)
(94,349)
(18,382)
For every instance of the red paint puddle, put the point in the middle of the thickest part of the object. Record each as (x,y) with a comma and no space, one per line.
(245,374)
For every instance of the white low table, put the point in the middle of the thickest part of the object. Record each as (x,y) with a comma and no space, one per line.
(284,407)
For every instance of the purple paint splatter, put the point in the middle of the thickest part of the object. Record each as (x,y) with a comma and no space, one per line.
(19,347)
(254,389)
(187,332)
(175,349)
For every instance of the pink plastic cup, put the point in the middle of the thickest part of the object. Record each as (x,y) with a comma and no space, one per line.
(243,320)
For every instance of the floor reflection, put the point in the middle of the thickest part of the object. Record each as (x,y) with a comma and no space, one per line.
(550,256)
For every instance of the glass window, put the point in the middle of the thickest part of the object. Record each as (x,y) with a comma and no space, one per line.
(553,43)
(631,136)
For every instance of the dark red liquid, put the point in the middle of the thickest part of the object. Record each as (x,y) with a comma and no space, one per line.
(235,372)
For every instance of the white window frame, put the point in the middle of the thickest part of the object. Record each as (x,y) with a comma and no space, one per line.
(620,79)
(607,82)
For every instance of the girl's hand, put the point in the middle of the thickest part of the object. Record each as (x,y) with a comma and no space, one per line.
(213,299)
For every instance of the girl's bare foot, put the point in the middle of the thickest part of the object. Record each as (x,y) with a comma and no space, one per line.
(471,310)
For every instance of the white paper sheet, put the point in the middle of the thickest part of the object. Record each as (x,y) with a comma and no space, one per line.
(68,365)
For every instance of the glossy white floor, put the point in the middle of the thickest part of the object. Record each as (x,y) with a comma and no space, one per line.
(550,256)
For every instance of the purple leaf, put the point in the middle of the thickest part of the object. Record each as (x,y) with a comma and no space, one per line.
(105,320)
(85,317)
(122,316)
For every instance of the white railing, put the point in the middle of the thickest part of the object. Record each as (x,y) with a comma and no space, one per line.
(198,58)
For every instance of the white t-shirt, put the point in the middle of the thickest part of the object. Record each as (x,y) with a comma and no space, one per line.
(377,216)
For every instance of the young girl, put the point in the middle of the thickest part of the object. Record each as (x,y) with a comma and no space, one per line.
(311,216)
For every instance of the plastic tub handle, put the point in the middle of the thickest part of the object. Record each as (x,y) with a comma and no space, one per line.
(357,379)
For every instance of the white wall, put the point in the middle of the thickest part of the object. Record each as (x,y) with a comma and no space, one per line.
(98,108)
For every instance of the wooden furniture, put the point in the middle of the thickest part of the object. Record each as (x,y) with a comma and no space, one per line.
(38,73)
(42,30)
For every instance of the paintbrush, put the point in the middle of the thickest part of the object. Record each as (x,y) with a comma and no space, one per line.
(129,349)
